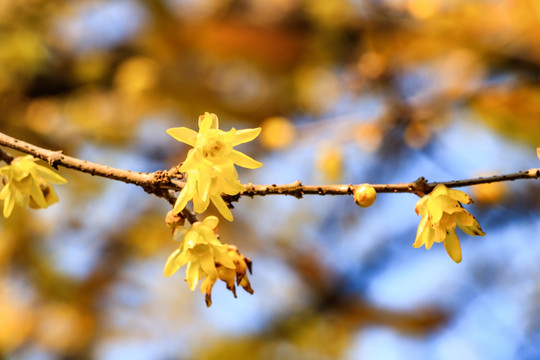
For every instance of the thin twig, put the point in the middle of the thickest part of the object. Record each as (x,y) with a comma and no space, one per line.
(5,157)
(419,187)
(162,183)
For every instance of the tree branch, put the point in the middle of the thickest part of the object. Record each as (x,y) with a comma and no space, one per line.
(419,187)
(5,157)
(163,183)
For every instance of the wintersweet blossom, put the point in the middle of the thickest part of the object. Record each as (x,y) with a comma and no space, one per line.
(209,166)
(207,258)
(441,212)
(27,183)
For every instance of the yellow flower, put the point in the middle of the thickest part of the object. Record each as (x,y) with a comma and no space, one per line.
(209,166)
(28,184)
(207,258)
(441,211)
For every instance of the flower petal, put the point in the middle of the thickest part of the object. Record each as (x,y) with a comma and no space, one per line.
(37,195)
(185,195)
(49,175)
(206,288)
(452,246)
(9,204)
(191,162)
(183,134)
(223,258)
(448,205)
(204,182)
(420,233)
(460,196)
(420,206)
(243,160)
(208,266)
(211,222)
(434,210)
(469,225)
(193,275)
(200,206)
(206,122)
(220,204)
(6,191)
(173,264)
(245,135)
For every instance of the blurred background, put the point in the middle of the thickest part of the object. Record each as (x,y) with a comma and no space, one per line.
(346,91)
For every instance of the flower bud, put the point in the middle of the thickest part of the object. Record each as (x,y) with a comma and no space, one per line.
(174,220)
(364,195)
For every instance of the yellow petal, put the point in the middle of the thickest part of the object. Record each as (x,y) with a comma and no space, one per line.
(211,222)
(228,275)
(420,206)
(37,195)
(229,186)
(228,136)
(452,246)
(243,160)
(200,206)
(185,195)
(206,288)
(172,265)
(245,135)
(9,204)
(191,163)
(49,175)
(191,239)
(459,196)
(223,258)
(192,275)
(6,191)
(222,207)
(204,182)
(420,236)
(207,122)
(183,134)
(447,204)
(438,191)
(469,225)
(208,266)
(434,210)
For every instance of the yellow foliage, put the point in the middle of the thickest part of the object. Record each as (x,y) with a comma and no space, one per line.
(489,194)
(330,163)
(16,322)
(417,135)
(62,327)
(136,75)
(278,133)
(422,9)
(368,136)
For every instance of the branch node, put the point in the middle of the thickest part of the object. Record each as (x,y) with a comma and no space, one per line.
(420,187)
(54,158)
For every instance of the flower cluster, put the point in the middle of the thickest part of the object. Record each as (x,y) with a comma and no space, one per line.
(27,183)
(207,258)
(441,212)
(209,166)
